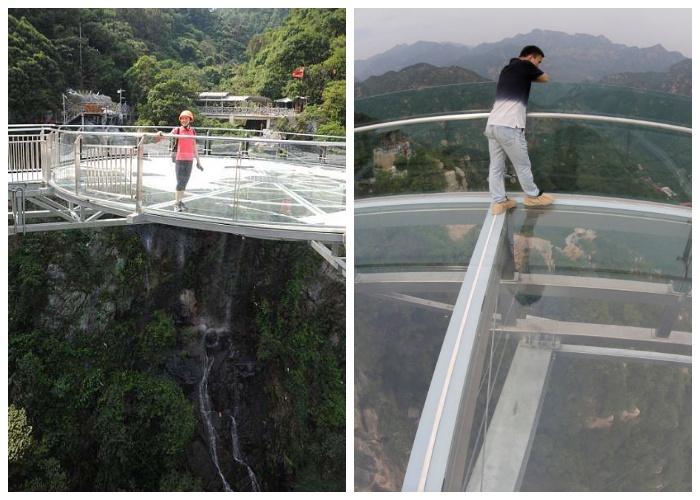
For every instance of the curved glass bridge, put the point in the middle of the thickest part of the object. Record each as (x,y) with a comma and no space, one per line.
(544,349)
(259,185)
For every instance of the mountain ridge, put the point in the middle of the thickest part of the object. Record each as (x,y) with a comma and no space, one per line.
(417,76)
(568,58)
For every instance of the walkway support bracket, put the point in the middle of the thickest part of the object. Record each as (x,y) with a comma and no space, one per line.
(438,456)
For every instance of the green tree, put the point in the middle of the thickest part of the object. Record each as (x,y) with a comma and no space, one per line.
(307,38)
(334,102)
(165,101)
(48,476)
(158,338)
(141,77)
(142,423)
(35,80)
(237,27)
(19,433)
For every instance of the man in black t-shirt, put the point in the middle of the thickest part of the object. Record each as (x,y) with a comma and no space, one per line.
(505,130)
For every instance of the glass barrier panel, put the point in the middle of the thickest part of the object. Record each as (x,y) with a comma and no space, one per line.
(579,98)
(568,155)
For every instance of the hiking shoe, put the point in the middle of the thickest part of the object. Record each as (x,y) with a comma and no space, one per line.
(539,201)
(499,208)
(179,206)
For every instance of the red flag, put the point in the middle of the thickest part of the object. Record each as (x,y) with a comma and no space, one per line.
(298,73)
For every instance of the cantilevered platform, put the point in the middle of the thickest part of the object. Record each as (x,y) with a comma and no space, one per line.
(251,186)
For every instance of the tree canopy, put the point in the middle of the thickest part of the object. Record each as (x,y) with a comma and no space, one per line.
(162,58)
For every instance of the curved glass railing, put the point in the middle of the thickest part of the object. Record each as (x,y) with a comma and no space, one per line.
(266,184)
(593,99)
(450,301)
(583,139)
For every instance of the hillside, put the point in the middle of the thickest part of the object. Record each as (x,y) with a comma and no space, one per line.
(568,58)
(415,77)
(678,79)
(163,59)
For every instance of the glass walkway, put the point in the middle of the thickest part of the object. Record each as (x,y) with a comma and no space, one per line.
(257,185)
(544,349)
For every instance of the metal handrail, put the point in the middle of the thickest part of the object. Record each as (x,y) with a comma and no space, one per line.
(47,137)
(480,116)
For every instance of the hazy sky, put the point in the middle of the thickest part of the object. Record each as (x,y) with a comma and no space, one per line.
(378,30)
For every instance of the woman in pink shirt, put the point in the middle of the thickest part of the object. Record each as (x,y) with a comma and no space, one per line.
(185,152)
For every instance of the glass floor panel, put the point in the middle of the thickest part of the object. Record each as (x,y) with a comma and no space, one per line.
(598,288)
(253,191)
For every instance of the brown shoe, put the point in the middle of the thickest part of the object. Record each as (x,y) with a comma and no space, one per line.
(539,201)
(499,208)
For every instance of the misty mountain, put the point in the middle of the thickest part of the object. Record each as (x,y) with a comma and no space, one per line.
(568,58)
(677,79)
(403,56)
(415,77)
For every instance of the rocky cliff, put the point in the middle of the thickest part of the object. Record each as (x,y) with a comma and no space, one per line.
(252,332)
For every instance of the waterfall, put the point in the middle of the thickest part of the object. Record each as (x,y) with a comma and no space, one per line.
(207,418)
(148,241)
(206,411)
(239,457)
(181,253)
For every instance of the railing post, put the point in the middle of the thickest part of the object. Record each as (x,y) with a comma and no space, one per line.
(76,158)
(139,176)
(46,156)
(18,208)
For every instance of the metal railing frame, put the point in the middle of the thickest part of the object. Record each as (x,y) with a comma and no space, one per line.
(55,154)
(482,116)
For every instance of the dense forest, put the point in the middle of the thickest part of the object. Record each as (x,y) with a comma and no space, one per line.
(163,58)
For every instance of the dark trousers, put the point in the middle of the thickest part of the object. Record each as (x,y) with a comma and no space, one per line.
(183,170)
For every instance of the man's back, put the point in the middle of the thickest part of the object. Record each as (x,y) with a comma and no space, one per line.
(513,93)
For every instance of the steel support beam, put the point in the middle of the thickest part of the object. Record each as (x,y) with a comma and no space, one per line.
(432,455)
(501,463)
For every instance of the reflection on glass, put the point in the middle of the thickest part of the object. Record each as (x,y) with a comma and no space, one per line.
(613,426)
(569,154)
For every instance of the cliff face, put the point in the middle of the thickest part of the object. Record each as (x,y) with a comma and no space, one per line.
(251,331)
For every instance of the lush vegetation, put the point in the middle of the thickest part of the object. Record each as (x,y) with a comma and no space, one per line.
(163,58)
(307,380)
(88,393)
(95,340)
